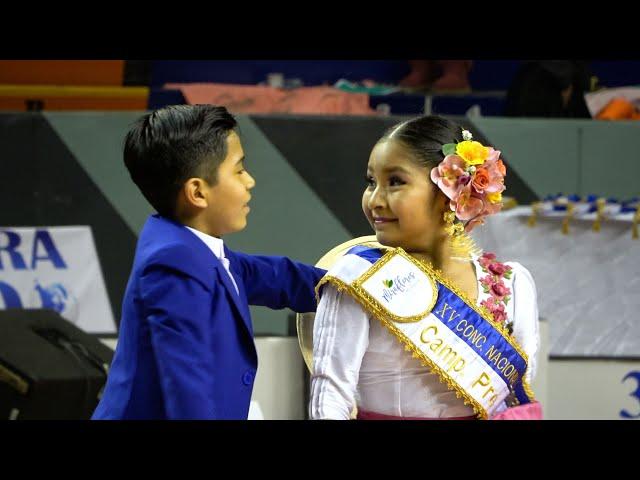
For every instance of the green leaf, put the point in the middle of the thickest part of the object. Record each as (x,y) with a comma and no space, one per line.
(449,149)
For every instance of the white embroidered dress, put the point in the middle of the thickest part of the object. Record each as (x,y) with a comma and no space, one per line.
(357,361)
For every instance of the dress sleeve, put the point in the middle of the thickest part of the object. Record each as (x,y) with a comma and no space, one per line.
(525,321)
(340,340)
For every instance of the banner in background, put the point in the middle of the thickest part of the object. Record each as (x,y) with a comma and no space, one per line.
(56,268)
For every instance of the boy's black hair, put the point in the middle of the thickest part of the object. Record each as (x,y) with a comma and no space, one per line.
(166,147)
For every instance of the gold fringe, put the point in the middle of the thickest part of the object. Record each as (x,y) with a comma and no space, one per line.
(463,247)
(535,210)
(508,203)
(599,214)
(482,311)
(567,218)
(344,287)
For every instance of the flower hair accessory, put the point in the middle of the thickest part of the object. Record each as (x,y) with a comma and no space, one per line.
(472,177)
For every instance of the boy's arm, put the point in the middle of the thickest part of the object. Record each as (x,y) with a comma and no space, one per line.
(178,309)
(279,282)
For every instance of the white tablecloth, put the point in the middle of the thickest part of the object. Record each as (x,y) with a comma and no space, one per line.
(588,282)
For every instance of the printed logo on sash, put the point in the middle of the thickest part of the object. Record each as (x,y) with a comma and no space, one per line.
(400,288)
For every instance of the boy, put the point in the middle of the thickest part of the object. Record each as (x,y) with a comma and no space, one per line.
(185,348)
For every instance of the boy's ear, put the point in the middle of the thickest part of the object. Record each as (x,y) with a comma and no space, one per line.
(195,192)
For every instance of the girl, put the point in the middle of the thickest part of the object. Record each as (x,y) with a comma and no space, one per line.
(422,327)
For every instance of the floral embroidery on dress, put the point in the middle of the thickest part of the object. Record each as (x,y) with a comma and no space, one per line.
(493,284)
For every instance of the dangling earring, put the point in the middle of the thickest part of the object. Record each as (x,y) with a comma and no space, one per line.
(450,226)
(463,247)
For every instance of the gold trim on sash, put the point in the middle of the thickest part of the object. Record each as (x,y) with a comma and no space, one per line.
(374,307)
(439,276)
(379,314)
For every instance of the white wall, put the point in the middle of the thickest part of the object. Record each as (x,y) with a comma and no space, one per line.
(592,389)
(280,381)
(540,382)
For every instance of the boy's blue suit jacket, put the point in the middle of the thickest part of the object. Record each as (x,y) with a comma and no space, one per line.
(185,347)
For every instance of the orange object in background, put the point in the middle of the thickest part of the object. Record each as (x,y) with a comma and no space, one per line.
(46,97)
(262,99)
(67,85)
(618,109)
(62,72)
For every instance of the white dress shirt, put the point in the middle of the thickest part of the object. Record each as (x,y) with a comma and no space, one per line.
(216,245)
(357,361)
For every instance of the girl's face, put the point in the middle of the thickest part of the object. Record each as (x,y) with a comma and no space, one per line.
(401,203)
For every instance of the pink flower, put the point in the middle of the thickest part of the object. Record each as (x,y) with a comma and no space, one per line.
(446,175)
(488,208)
(491,208)
(498,268)
(494,286)
(467,205)
(464,179)
(479,220)
(486,259)
(487,281)
(499,290)
(496,178)
(496,171)
(499,314)
(496,162)
(489,303)
(496,309)
(493,156)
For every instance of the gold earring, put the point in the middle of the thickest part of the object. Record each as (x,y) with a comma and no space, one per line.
(449,227)
(463,247)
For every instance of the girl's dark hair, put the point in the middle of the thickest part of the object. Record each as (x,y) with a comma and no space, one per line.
(424,137)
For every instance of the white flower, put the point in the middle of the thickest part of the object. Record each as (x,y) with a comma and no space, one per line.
(471,170)
(466,135)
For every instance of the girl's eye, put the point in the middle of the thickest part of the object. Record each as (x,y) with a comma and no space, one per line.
(396,181)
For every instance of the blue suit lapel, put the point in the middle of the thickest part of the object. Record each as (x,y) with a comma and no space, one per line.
(160,229)
(238,299)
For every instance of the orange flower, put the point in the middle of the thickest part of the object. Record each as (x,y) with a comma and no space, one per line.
(480,180)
